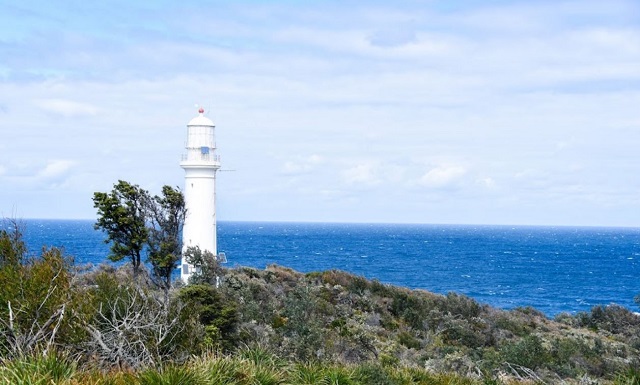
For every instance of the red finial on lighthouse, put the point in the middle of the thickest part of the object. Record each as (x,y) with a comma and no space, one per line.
(201,110)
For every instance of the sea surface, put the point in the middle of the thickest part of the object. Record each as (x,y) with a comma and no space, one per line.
(554,269)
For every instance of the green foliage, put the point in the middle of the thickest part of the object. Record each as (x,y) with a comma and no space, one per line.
(457,331)
(331,317)
(612,318)
(515,325)
(372,373)
(461,305)
(337,375)
(528,352)
(303,331)
(12,247)
(217,315)
(105,292)
(129,326)
(410,307)
(171,375)
(631,376)
(206,265)
(319,328)
(133,221)
(334,277)
(358,285)
(48,369)
(380,289)
(220,370)
(122,215)
(216,370)
(36,299)
(262,367)
(309,374)
(409,340)
(257,356)
(167,213)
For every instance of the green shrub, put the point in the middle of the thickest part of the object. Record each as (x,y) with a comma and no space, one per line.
(409,307)
(12,247)
(509,321)
(380,289)
(371,373)
(132,327)
(258,356)
(457,331)
(461,305)
(307,374)
(303,329)
(613,318)
(314,275)
(409,340)
(36,299)
(171,375)
(337,277)
(358,285)
(267,376)
(528,352)
(219,316)
(629,377)
(219,370)
(49,369)
(339,375)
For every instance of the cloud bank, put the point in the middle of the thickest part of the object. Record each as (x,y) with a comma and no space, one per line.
(510,112)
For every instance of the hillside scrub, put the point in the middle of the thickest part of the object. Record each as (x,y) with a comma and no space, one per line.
(275,326)
(338,317)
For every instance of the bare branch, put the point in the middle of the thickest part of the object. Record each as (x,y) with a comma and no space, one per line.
(132,331)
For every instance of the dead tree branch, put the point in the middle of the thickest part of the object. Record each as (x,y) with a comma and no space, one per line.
(132,331)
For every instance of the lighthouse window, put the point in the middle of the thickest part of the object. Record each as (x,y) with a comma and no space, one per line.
(204,150)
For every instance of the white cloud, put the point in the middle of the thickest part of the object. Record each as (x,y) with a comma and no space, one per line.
(55,169)
(302,165)
(443,176)
(362,174)
(487,182)
(67,108)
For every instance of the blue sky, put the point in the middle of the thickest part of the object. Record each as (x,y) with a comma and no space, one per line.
(471,112)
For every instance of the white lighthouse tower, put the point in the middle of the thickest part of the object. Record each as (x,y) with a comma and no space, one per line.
(200,164)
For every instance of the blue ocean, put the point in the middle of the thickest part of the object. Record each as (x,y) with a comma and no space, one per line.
(554,269)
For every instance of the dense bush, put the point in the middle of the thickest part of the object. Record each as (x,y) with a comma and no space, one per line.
(280,326)
(218,315)
(612,318)
(36,297)
(334,316)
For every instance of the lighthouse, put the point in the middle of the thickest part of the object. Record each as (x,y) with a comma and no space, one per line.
(200,163)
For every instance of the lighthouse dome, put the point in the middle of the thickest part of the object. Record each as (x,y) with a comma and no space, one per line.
(201,120)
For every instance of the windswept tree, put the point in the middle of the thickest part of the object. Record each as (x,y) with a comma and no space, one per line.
(133,221)
(122,215)
(167,214)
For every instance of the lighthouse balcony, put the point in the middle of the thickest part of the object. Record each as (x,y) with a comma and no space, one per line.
(199,157)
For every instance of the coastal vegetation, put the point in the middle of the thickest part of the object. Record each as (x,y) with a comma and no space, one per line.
(135,222)
(67,324)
